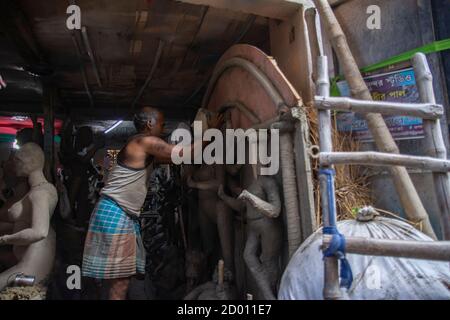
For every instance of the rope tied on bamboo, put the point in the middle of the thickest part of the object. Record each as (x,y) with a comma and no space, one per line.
(337,244)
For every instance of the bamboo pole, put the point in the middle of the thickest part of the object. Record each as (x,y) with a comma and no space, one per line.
(331,290)
(406,191)
(434,140)
(430,111)
(426,250)
(383,159)
(314,38)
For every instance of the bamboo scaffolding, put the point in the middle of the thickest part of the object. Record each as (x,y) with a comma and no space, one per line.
(426,250)
(430,111)
(406,191)
(434,140)
(383,159)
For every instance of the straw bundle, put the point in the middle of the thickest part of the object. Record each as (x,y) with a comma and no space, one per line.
(352,182)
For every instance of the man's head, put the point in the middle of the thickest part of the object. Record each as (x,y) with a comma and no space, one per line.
(29,158)
(149,121)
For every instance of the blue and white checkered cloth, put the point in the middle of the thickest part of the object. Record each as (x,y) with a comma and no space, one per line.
(113,247)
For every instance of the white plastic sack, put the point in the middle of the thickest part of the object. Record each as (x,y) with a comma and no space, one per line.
(374,278)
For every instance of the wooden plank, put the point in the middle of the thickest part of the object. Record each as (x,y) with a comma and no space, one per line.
(277,9)
(289,43)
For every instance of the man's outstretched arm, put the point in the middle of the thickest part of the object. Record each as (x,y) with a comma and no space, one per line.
(162,151)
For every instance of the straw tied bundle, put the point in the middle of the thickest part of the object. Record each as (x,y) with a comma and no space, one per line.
(352,182)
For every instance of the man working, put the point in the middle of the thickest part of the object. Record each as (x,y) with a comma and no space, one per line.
(113,248)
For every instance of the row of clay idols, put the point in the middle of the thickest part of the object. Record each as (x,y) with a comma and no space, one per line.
(262,205)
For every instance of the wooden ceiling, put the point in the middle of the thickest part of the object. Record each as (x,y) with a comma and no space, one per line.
(124,36)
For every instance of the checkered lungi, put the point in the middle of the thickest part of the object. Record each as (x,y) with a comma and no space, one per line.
(113,247)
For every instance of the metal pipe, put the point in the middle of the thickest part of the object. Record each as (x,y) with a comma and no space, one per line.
(331,290)
(420,110)
(151,73)
(87,45)
(426,250)
(383,159)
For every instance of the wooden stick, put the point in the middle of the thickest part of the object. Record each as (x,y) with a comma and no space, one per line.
(383,159)
(331,290)
(426,250)
(434,140)
(420,110)
(406,191)
(220,272)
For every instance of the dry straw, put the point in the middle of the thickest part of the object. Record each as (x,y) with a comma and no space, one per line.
(352,182)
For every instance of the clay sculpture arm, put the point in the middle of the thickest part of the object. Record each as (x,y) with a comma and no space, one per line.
(235,204)
(40,222)
(270,208)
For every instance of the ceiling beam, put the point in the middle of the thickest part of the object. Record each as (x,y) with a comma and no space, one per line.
(277,9)
(18,31)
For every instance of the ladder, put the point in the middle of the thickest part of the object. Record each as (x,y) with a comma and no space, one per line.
(436,161)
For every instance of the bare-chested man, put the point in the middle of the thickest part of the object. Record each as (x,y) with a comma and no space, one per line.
(113,249)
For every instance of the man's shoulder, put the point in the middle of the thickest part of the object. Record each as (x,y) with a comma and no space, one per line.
(144,139)
(149,144)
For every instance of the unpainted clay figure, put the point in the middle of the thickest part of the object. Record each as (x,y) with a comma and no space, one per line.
(31,235)
(213,212)
(262,204)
